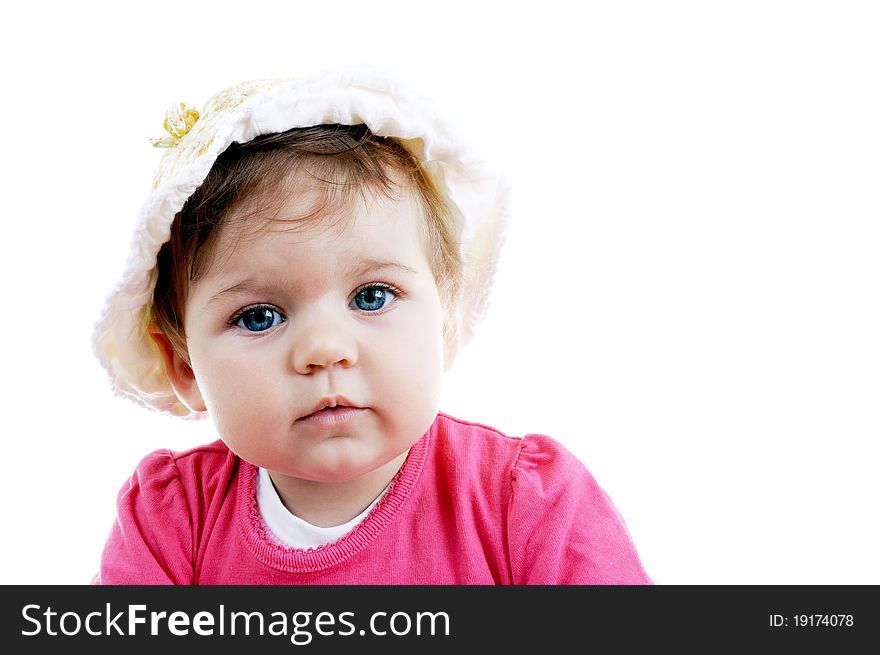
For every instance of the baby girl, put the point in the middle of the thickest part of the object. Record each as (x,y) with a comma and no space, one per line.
(312,256)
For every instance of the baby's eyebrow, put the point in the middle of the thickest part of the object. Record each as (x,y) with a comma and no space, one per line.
(266,282)
(361,266)
(358,267)
(245,286)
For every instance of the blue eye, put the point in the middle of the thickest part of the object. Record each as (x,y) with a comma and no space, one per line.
(259,319)
(371,299)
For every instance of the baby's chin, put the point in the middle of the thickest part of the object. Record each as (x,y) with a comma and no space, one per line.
(347,472)
(350,463)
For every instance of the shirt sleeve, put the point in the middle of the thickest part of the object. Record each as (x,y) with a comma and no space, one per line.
(562,527)
(151,541)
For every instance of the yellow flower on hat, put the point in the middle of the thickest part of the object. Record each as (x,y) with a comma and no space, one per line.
(179,119)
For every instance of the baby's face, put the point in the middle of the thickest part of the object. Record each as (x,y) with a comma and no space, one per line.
(348,313)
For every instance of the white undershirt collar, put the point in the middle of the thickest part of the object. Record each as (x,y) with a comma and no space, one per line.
(290,530)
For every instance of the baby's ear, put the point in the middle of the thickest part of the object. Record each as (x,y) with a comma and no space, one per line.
(179,372)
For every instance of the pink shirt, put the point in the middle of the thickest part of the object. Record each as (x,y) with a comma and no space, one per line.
(469,506)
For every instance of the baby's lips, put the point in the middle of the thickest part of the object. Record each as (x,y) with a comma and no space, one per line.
(336,400)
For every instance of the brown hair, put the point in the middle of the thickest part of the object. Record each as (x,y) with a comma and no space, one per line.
(342,160)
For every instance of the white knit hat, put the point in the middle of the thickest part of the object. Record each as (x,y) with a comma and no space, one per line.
(195,139)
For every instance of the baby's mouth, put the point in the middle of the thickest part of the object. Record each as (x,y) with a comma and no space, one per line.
(331,410)
(332,415)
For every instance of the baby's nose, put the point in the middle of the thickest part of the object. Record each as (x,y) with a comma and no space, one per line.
(323,344)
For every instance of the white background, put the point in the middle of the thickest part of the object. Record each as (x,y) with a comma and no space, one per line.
(688,298)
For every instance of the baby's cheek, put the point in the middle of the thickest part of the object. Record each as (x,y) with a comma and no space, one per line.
(240,406)
(413,380)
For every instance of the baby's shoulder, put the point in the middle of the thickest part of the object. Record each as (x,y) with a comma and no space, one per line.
(196,457)
(199,468)
(467,438)
(468,441)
